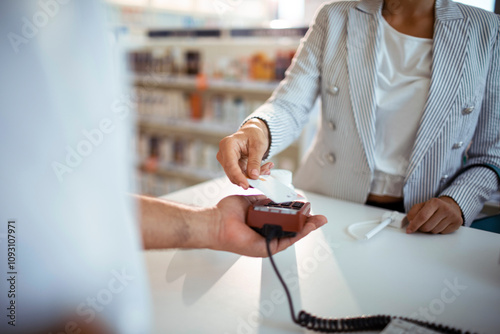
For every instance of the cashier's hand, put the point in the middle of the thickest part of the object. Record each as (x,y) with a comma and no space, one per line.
(232,234)
(437,215)
(241,153)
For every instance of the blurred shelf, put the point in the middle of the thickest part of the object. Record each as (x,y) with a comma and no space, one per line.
(185,127)
(207,131)
(213,85)
(168,117)
(296,33)
(248,45)
(194,175)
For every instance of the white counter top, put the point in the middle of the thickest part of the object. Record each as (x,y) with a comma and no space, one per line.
(450,279)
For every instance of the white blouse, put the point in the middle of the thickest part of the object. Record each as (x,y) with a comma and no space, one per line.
(403,79)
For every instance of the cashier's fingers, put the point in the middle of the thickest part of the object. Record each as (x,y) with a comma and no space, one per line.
(229,156)
(256,151)
(266,168)
(414,211)
(437,215)
(242,152)
(418,215)
(441,227)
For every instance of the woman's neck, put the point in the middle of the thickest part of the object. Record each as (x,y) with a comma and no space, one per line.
(408,8)
(410,17)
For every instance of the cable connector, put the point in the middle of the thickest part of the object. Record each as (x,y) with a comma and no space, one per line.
(271,231)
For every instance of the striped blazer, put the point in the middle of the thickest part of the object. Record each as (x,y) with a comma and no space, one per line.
(336,61)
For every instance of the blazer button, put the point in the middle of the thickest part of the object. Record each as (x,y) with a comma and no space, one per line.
(331,158)
(334,90)
(467,110)
(445,177)
(458,145)
(332,125)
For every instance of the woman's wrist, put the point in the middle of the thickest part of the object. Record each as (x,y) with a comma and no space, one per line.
(259,123)
(264,129)
(450,201)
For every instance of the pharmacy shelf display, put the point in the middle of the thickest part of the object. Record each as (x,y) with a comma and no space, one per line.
(191,95)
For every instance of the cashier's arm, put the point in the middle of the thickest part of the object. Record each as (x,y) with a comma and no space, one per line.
(222,227)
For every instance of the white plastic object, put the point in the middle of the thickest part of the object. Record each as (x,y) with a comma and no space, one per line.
(398,219)
(394,218)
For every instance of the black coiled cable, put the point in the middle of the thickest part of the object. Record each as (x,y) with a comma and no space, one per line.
(344,325)
(312,322)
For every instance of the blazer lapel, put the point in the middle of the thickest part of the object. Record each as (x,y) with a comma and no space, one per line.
(449,53)
(362,38)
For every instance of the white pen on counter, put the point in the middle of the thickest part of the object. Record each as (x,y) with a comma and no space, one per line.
(384,223)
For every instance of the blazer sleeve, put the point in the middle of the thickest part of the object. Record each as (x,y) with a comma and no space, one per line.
(472,188)
(288,109)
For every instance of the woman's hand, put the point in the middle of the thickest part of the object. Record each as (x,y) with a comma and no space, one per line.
(437,215)
(241,153)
